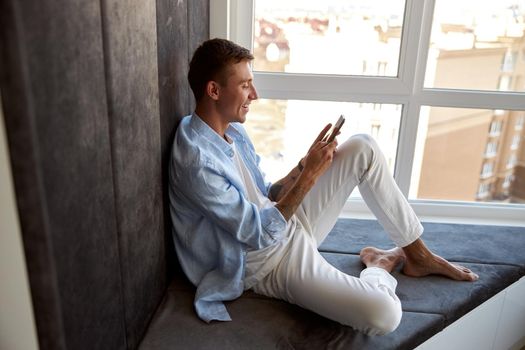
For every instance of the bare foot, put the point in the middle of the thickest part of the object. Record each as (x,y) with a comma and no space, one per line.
(422,262)
(385,259)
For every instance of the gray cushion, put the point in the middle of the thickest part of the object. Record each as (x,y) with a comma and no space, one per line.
(429,304)
(465,243)
(436,294)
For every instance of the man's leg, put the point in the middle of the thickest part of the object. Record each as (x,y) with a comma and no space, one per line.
(322,206)
(359,161)
(303,277)
(388,204)
(356,160)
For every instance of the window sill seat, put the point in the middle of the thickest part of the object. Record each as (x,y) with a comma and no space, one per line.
(431,304)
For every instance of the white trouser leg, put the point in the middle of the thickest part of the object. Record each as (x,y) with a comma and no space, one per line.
(303,277)
(359,162)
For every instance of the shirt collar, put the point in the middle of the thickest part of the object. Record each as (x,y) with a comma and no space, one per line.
(204,130)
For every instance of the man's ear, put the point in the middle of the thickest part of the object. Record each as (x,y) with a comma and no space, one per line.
(213,90)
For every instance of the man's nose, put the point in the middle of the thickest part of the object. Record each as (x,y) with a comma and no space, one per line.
(253,94)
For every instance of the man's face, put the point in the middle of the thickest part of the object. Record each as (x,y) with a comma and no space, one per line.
(237,93)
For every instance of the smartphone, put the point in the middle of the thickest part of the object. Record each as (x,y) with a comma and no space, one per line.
(335,129)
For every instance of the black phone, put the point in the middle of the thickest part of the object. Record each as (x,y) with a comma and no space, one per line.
(335,129)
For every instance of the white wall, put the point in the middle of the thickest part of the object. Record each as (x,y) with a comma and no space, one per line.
(17,325)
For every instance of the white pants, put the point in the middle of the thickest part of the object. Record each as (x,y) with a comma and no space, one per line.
(305,278)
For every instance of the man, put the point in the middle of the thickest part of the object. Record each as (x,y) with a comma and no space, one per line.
(233,231)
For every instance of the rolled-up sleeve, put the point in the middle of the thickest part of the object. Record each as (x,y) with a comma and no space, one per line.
(273,222)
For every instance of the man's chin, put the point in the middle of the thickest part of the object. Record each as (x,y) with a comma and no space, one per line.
(242,118)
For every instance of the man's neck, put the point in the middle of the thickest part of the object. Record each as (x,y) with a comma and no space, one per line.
(214,121)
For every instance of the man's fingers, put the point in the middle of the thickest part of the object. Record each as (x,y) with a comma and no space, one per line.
(323,132)
(319,145)
(332,144)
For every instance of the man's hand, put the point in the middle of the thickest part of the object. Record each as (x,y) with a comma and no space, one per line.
(320,156)
(321,136)
(315,163)
(319,159)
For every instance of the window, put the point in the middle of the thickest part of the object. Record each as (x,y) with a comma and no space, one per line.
(511,161)
(519,122)
(475,46)
(488,170)
(509,61)
(515,142)
(483,190)
(507,181)
(304,34)
(504,83)
(376,127)
(444,73)
(492,149)
(281,136)
(495,128)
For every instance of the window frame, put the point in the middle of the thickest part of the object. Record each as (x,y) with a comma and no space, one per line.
(233,19)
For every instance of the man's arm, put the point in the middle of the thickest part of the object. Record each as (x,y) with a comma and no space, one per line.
(279,188)
(292,189)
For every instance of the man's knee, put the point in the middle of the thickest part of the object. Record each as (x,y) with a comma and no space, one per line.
(384,317)
(357,154)
(358,144)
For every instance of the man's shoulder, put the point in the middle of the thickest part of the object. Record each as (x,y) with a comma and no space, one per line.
(193,147)
(186,148)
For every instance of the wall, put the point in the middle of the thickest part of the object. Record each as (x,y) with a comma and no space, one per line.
(17,325)
(92,93)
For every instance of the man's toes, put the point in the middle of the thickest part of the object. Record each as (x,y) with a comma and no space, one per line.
(466,273)
(473,276)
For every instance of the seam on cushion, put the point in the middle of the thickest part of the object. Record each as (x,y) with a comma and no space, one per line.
(425,313)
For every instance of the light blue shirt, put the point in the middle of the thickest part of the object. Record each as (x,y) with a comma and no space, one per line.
(213,222)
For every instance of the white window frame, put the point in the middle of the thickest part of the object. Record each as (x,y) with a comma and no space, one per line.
(233,19)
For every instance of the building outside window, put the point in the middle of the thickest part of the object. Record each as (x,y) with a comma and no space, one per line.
(442,72)
(508,63)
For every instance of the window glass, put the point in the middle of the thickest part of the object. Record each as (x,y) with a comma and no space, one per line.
(459,156)
(477,45)
(492,149)
(349,37)
(283,131)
